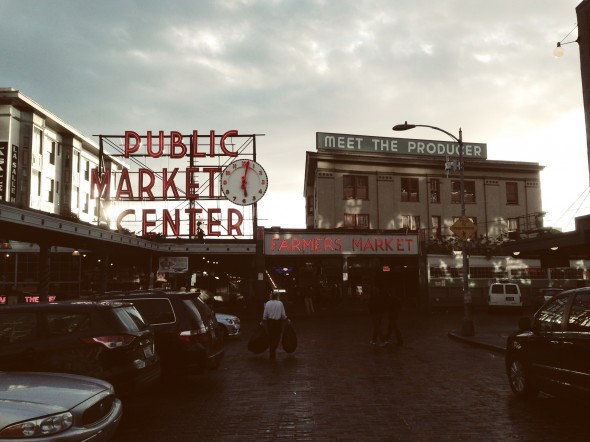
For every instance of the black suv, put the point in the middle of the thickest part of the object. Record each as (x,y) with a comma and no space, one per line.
(188,337)
(107,340)
(551,352)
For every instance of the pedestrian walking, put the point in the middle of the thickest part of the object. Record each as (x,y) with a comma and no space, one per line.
(273,316)
(392,310)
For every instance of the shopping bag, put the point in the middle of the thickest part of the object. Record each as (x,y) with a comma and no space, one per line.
(289,339)
(258,342)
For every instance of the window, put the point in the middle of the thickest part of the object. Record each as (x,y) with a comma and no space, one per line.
(76,197)
(513,224)
(51,185)
(410,190)
(435,191)
(77,161)
(579,319)
(356,187)
(456,192)
(38,141)
(410,222)
(356,221)
(511,193)
(550,317)
(52,153)
(86,203)
(38,183)
(87,171)
(435,227)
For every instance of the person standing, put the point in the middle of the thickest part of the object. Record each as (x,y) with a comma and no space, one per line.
(273,316)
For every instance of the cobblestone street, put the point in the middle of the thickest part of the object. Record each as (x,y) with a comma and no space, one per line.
(336,386)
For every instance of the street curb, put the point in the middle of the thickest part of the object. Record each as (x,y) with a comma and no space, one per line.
(456,335)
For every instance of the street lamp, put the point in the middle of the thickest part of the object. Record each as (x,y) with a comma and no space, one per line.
(467,328)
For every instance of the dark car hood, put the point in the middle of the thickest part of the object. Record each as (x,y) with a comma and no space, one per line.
(25,395)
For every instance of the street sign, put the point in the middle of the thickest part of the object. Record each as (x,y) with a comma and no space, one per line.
(464,228)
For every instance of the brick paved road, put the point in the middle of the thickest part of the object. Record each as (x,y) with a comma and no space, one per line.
(337,387)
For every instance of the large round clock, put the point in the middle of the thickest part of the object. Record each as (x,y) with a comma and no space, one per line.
(244,182)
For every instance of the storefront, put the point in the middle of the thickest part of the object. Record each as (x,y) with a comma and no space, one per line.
(337,266)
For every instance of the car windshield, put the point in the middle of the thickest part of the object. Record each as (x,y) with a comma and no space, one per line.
(551,317)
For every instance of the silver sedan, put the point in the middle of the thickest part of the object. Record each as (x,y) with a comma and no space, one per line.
(56,406)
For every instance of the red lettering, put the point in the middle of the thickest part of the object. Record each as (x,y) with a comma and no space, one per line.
(229,133)
(231,225)
(32,299)
(212,222)
(145,223)
(51,298)
(369,245)
(168,181)
(211,171)
(192,184)
(296,244)
(168,221)
(273,243)
(158,153)
(146,188)
(410,242)
(2,299)
(195,148)
(124,181)
(338,244)
(307,244)
(122,215)
(129,135)
(379,244)
(388,245)
(284,245)
(176,141)
(101,184)
(357,244)
(400,245)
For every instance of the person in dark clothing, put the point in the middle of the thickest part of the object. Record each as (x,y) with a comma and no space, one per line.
(392,309)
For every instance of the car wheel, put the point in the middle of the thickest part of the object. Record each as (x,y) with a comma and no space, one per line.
(520,381)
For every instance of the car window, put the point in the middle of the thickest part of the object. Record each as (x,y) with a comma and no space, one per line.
(17,327)
(155,311)
(512,289)
(551,316)
(64,323)
(193,307)
(131,318)
(497,288)
(579,319)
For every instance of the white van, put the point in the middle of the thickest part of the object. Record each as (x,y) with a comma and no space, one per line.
(504,294)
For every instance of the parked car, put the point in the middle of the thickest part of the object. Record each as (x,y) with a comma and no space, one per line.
(107,340)
(504,294)
(57,406)
(186,331)
(230,324)
(551,351)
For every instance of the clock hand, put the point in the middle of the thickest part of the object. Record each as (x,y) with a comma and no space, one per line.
(244,182)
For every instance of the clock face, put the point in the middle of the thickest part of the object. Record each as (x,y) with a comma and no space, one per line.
(244,182)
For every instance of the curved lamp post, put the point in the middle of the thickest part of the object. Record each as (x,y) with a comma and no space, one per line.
(467,328)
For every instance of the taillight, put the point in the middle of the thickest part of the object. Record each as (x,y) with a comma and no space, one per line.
(194,336)
(110,342)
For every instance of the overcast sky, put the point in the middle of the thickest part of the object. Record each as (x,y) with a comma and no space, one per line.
(291,68)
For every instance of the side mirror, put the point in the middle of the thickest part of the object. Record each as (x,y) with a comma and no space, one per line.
(524,323)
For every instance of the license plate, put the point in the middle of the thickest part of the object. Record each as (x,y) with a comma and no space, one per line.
(148,352)
(509,298)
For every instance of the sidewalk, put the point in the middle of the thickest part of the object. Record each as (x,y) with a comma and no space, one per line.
(491,330)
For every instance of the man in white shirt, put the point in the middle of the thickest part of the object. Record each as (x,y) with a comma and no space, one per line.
(273,317)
